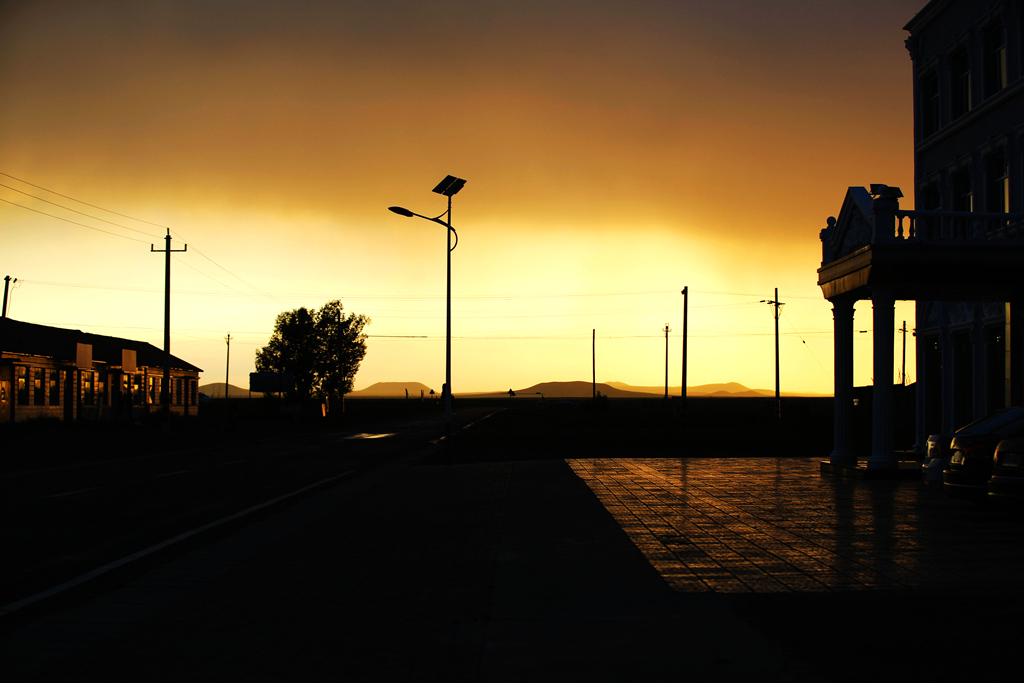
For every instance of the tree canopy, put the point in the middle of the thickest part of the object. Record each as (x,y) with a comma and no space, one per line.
(321,348)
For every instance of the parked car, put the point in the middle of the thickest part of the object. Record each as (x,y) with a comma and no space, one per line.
(937,455)
(970,462)
(1007,480)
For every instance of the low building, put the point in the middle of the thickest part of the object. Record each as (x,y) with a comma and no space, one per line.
(53,372)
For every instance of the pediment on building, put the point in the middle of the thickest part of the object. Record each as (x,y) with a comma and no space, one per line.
(851,230)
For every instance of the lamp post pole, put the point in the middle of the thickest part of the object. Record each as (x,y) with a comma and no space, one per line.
(448,187)
(682,392)
(448,345)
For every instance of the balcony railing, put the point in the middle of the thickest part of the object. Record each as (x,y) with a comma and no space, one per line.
(963,227)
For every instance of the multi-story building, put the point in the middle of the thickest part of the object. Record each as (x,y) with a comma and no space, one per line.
(960,253)
(968,158)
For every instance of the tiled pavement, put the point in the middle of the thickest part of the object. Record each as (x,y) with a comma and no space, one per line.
(770,525)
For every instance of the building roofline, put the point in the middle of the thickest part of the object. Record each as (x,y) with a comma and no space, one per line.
(926,14)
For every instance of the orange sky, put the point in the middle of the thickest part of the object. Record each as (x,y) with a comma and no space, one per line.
(615,151)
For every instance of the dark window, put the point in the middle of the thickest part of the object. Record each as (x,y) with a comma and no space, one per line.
(995,58)
(55,387)
(22,385)
(929,103)
(177,392)
(963,198)
(960,83)
(930,200)
(997,183)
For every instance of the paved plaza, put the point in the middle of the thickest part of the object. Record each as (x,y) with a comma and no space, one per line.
(609,569)
(769,525)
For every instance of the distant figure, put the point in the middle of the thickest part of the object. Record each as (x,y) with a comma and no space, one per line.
(407,393)
(511,394)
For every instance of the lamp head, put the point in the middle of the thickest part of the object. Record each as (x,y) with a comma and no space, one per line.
(401,212)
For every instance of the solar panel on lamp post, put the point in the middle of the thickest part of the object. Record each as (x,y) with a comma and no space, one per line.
(448,187)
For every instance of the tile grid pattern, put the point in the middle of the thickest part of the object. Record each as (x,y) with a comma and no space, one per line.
(774,525)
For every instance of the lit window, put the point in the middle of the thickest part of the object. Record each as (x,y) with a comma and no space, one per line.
(55,387)
(38,387)
(88,397)
(22,385)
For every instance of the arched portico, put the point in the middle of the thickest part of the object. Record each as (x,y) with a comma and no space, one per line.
(876,251)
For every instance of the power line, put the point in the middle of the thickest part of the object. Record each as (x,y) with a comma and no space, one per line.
(240,279)
(122,215)
(67,220)
(80,213)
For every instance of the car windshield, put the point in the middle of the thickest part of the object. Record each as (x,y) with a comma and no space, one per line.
(996,421)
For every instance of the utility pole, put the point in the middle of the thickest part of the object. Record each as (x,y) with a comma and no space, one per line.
(903,370)
(667,330)
(3,318)
(593,368)
(7,285)
(227,367)
(776,309)
(165,390)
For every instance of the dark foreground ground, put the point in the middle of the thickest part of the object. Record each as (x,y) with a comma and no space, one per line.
(552,547)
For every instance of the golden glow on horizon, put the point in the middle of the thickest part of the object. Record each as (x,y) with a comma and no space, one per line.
(649,148)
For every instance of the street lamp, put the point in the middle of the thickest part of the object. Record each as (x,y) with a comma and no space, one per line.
(449,187)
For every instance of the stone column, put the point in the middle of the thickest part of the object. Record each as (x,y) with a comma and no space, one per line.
(922,391)
(1013,331)
(979,365)
(842,435)
(947,356)
(884,322)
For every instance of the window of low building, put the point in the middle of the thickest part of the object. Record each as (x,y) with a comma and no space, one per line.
(38,387)
(960,83)
(54,387)
(88,396)
(21,380)
(177,392)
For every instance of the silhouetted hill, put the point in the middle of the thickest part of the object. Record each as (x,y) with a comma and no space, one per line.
(731,389)
(578,389)
(561,390)
(392,390)
(216,390)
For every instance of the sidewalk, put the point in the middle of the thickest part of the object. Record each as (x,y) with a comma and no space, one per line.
(502,571)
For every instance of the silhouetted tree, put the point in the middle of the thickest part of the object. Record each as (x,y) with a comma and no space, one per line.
(342,346)
(321,348)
